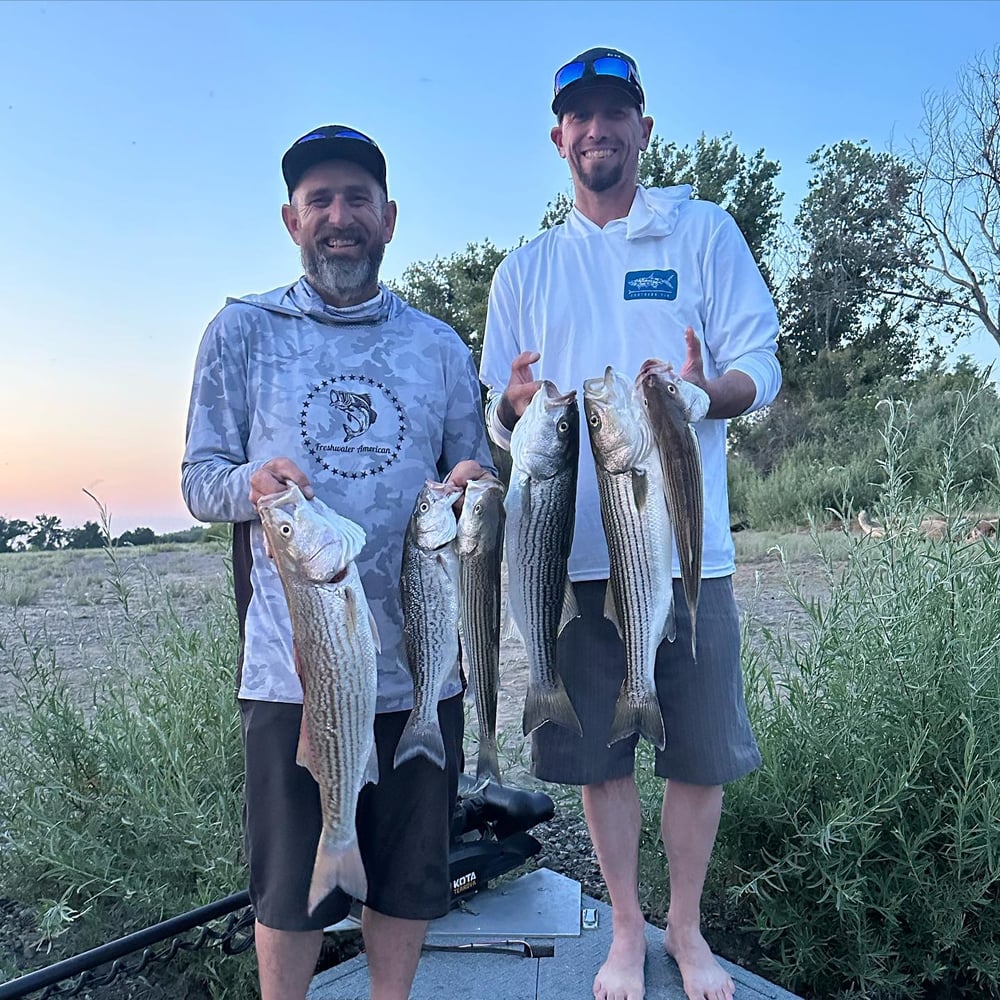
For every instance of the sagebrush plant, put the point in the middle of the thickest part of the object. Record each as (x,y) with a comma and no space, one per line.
(866,849)
(124,812)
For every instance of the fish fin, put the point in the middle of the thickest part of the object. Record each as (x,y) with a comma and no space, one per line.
(670,628)
(549,704)
(375,636)
(643,717)
(640,489)
(420,739)
(611,610)
(510,629)
(335,868)
(304,751)
(371,768)
(570,610)
(487,765)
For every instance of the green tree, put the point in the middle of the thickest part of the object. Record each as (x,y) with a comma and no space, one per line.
(46,533)
(455,289)
(137,536)
(717,171)
(857,253)
(12,534)
(957,204)
(90,536)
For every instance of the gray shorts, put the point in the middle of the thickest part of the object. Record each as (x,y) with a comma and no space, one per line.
(709,740)
(403,822)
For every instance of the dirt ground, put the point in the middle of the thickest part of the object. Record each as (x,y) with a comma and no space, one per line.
(72,609)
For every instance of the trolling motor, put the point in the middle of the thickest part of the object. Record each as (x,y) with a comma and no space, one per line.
(489,833)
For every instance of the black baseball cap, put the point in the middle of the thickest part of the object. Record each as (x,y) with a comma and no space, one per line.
(599,67)
(332,142)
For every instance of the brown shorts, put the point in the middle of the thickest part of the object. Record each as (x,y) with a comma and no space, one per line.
(403,822)
(709,740)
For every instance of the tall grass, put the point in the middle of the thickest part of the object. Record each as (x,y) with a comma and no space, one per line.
(866,850)
(119,814)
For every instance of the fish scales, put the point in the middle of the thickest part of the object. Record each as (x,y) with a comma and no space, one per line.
(335,645)
(541,505)
(429,591)
(638,532)
(669,412)
(480,551)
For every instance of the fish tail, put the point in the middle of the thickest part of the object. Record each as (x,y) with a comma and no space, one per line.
(549,704)
(337,867)
(642,716)
(420,739)
(487,765)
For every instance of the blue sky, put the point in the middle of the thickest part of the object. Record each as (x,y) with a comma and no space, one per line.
(140,182)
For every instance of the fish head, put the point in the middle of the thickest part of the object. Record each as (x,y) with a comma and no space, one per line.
(308,540)
(691,400)
(482,515)
(432,523)
(547,437)
(619,435)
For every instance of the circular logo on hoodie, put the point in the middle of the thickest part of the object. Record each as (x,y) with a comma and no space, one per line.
(352,425)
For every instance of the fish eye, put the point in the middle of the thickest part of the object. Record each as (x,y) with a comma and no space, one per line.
(424,507)
(562,426)
(595,420)
(286,529)
(671,388)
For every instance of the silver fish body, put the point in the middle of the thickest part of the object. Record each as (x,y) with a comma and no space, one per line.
(541,510)
(335,644)
(640,546)
(480,553)
(429,592)
(671,406)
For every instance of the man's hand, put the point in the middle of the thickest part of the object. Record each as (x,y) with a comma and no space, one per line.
(521,387)
(693,369)
(466,470)
(276,475)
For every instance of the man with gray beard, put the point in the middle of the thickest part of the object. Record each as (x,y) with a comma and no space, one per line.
(335,384)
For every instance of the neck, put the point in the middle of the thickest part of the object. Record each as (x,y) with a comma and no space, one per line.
(365,294)
(602,207)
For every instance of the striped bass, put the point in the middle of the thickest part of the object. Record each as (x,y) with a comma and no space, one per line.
(640,598)
(335,643)
(541,510)
(480,552)
(429,591)
(672,406)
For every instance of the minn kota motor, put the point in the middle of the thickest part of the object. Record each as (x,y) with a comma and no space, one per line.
(489,833)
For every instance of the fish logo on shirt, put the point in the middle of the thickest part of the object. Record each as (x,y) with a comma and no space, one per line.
(651,285)
(357,409)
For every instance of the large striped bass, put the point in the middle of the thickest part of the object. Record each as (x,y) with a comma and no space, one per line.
(640,545)
(672,406)
(480,552)
(541,510)
(335,643)
(429,590)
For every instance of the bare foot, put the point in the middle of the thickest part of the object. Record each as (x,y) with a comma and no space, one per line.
(704,978)
(623,975)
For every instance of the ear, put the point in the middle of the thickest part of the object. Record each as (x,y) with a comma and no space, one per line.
(290,217)
(389,220)
(556,135)
(647,130)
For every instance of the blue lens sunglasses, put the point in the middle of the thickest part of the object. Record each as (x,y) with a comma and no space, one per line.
(613,66)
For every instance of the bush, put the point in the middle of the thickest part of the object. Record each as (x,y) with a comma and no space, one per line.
(866,850)
(118,815)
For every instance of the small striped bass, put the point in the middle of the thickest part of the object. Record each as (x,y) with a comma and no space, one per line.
(672,406)
(640,545)
(480,552)
(335,643)
(429,592)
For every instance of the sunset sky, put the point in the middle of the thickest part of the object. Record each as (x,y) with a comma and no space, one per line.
(140,182)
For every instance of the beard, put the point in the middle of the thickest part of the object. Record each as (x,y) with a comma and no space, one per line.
(339,278)
(598,177)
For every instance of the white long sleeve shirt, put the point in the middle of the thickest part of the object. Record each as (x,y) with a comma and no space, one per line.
(585,297)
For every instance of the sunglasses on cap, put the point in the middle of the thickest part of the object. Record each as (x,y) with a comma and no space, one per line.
(612,66)
(344,133)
